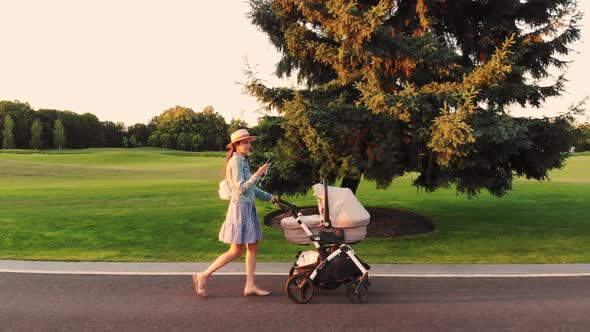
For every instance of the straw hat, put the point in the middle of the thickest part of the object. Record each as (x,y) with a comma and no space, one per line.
(238,135)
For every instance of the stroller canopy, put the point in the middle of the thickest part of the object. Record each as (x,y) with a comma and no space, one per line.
(345,209)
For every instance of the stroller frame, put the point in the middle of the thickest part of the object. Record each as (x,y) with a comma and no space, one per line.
(357,289)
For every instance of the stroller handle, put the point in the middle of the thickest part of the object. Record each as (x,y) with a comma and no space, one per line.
(286,205)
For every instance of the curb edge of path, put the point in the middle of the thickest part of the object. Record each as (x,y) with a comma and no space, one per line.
(282,268)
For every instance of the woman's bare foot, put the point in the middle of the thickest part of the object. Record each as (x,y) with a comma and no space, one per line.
(255,291)
(199,282)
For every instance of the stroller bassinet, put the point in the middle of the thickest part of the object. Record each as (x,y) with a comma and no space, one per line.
(345,213)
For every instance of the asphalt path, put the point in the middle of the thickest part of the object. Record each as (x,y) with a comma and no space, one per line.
(52,302)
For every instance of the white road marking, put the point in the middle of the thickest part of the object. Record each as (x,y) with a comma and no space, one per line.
(385,275)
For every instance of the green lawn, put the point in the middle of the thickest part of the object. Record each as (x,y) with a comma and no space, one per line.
(161,205)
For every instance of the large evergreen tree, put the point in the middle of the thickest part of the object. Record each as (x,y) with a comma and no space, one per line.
(424,86)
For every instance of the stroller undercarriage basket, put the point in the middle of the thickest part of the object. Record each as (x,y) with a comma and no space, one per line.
(336,237)
(341,267)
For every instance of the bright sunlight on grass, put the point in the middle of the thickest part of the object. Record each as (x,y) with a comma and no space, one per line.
(161,205)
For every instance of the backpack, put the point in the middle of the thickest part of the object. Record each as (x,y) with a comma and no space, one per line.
(224,190)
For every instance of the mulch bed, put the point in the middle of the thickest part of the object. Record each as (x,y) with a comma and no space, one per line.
(385,222)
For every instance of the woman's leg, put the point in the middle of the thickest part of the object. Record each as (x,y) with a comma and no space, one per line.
(251,287)
(251,265)
(234,252)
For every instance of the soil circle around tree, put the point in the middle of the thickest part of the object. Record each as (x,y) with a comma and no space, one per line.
(384,223)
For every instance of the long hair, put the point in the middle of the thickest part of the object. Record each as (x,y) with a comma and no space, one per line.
(230,153)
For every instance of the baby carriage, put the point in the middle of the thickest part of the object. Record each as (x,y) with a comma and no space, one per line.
(342,220)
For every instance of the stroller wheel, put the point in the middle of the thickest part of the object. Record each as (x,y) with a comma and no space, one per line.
(357,291)
(299,288)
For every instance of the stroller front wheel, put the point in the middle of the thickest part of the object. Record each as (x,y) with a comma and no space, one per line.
(299,288)
(357,291)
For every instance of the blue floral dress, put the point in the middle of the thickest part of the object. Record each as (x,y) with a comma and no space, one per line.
(241,223)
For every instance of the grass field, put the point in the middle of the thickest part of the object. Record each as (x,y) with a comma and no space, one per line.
(161,205)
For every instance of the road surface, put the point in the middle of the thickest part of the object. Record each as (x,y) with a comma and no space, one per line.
(52,302)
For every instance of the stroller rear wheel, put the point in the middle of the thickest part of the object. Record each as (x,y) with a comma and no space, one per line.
(357,291)
(299,288)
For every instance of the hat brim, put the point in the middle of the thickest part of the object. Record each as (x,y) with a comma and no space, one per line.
(241,139)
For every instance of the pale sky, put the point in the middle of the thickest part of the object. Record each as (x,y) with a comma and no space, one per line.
(128,60)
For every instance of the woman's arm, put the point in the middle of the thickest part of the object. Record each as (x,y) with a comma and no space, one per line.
(262,194)
(235,177)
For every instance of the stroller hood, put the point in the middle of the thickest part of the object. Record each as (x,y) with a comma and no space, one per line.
(345,209)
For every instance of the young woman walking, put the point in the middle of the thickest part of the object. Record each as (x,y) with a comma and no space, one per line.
(241,228)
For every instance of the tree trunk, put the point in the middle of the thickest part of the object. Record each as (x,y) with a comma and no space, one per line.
(352,184)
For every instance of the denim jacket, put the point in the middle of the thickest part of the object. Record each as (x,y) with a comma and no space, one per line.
(242,182)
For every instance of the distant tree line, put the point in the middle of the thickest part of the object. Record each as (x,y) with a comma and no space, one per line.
(22,127)
(178,127)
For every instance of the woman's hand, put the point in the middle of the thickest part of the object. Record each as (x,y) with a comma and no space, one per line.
(274,198)
(262,169)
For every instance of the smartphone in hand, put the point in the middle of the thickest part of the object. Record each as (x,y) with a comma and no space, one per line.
(264,175)
(267,162)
